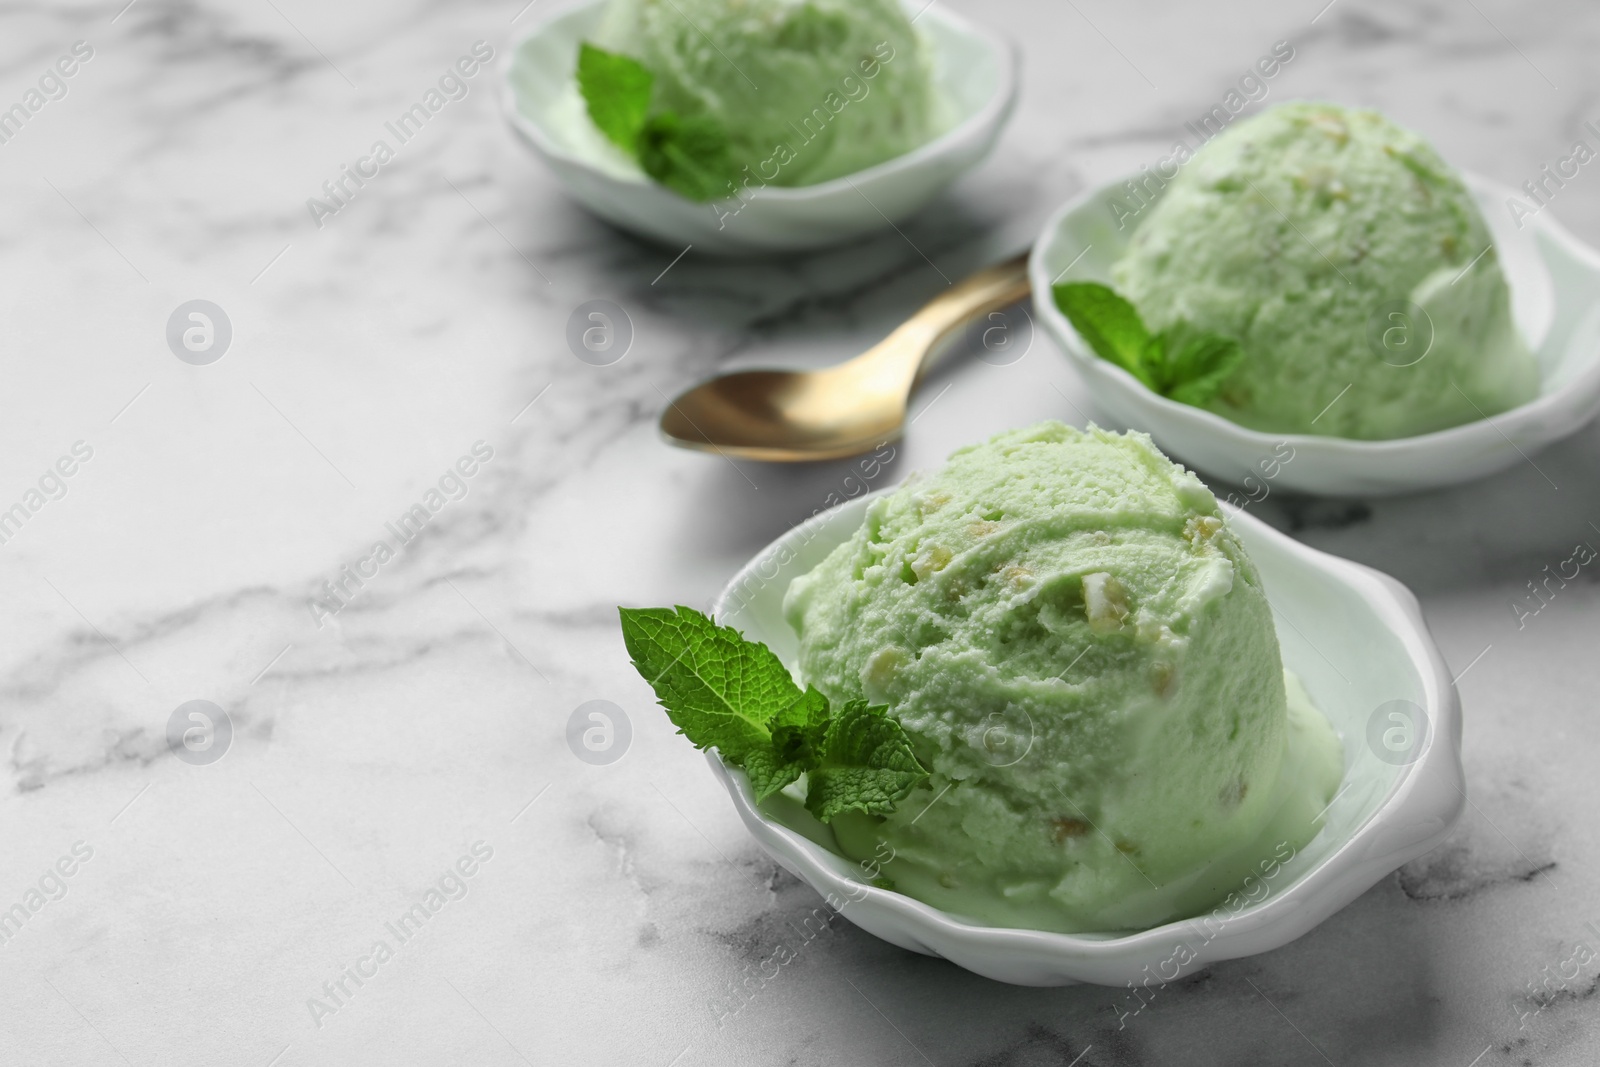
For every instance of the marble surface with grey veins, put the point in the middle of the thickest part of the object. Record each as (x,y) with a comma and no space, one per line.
(228,912)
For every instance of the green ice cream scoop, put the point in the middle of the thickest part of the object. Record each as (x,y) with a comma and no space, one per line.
(807,90)
(1082,656)
(1341,251)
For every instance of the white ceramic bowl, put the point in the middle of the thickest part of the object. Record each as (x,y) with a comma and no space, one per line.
(1555,285)
(1357,640)
(973,66)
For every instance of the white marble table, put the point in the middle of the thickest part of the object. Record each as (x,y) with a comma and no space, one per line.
(211,908)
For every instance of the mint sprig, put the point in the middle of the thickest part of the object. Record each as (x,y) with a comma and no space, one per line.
(1182,363)
(688,153)
(616,89)
(717,688)
(865,764)
(724,691)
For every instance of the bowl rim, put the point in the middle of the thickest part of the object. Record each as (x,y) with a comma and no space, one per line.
(994,111)
(1532,413)
(1428,790)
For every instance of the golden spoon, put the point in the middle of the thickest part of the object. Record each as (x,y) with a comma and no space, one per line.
(843,410)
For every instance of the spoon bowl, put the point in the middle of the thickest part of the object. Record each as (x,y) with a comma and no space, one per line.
(844,410)
(785,416)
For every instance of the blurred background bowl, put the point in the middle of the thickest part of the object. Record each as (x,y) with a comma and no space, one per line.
(974,67)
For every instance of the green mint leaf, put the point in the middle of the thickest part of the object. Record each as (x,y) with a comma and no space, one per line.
(1108,324)
(808,710)
(1181,363)
(717,688)
(689,154)
(617,89)
(866,764)
(797,736)
(768,772)
(799,732)
(724,691)
(1154,359)
(1195,363)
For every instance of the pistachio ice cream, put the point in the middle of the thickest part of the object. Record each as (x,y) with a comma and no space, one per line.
(1341,251)
(807,90)
(1082,656)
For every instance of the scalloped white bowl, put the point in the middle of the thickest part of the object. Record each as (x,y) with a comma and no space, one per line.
(1354,636)
(974,67)
(1555,288)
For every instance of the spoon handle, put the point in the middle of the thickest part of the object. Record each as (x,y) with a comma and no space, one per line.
(911,344)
